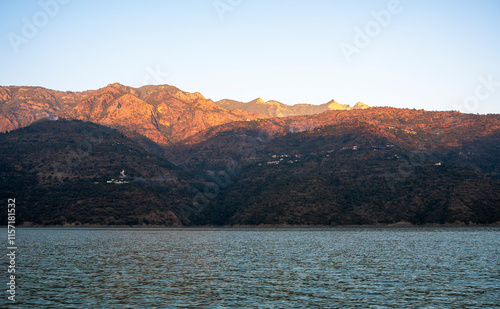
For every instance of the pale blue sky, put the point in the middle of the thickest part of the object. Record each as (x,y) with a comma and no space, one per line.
(430,55)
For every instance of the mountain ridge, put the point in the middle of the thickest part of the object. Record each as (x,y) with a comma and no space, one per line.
(274,108)
(162,113)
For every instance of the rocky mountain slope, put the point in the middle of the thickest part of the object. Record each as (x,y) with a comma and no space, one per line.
(277,109)
(162,114)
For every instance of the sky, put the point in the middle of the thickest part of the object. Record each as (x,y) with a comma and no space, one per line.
(432,55)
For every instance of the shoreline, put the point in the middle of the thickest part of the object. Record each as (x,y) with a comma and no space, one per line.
(262,226)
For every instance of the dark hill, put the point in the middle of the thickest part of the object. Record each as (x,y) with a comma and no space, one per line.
(58,172)
(374,166)
(356,171)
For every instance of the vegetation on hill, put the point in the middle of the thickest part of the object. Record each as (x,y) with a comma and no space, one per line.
(70,172)
(353,177)
(360,170)
(160,156)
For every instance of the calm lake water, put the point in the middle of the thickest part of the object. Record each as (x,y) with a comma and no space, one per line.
(257,268)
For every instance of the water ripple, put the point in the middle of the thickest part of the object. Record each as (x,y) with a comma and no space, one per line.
(258,268)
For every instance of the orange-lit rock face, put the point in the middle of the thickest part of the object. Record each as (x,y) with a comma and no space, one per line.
(20,106)
(163,113)
(167,115)
(4,94)
(415,129)
(277,109)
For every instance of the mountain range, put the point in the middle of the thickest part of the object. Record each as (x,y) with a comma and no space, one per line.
(164,114)
(277,109)
(156,155)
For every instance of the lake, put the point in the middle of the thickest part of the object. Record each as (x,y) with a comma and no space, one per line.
(373,267)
